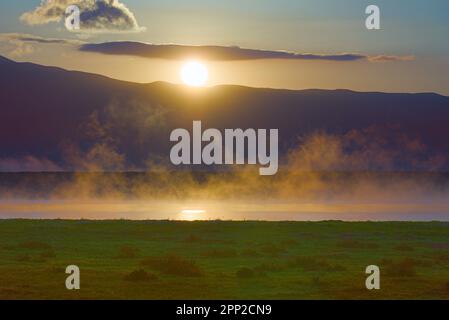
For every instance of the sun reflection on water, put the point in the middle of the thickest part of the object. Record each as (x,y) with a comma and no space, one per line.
(193,214)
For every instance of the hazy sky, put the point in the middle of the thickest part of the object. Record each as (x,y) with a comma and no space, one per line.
(414,32)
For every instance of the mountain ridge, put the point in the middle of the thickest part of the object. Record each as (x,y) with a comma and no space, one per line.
(156,83)
(51,113)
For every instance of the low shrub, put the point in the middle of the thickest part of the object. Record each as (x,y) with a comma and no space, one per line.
(139,275)
(272,249)
(47,254)
(219,253)
(245,273)
(404,247)
(314,264)
(173,265)
(357,244)
(127,252)
(34,245)
(192,239)
(250,253)
(403,268)
(23,258)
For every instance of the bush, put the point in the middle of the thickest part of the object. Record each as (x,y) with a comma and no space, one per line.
(402,268)
(219,253)
(245,273)
(268,267)
(250,253)
(139,276)
(273,250)
(441,257)
(34,245)
(128,252)
(314,264)
(23,258)
(446,287)
(289,243)
(403,247)
(192,239)
(316,281)
(356,244)
(47,254)
(173,265)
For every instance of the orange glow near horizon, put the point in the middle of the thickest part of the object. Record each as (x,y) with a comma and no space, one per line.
(192,214)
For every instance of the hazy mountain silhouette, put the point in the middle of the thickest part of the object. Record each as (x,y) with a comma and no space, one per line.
(45,109)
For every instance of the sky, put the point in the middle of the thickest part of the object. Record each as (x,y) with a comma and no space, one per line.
(410,53)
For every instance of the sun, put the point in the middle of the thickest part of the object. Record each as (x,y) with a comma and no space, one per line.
(194,74)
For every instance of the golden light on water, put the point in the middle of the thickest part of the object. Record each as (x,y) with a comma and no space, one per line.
(193,214)
(260,210)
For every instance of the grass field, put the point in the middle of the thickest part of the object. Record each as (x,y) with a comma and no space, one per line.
(223,260)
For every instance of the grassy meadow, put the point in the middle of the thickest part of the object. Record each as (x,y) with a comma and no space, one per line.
(223,260)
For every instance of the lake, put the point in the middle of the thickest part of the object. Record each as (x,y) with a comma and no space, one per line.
(225,210)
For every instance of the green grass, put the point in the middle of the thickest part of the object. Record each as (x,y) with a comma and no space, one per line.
(223,260)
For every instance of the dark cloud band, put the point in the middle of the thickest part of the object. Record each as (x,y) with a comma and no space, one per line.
(220,53)
(213,53)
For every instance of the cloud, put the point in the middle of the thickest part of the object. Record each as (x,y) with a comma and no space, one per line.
(13,46)
(18,45)
(96,15)
(215,53)
(21,45)
(23,37)
(16,49)
(389,58)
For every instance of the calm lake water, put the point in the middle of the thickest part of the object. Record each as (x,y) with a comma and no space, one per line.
(204,210)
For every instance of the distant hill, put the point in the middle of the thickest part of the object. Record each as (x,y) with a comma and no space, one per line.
(45,111)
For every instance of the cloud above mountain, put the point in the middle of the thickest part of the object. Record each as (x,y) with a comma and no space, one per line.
(29,38)
(107,16)
(19,45)
(219,53)
(389,58)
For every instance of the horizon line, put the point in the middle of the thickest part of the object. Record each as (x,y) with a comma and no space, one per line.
(2,57)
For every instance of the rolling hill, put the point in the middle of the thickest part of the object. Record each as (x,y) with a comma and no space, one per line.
(55,114)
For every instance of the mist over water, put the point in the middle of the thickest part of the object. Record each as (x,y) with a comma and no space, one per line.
(242,195)
(327,177)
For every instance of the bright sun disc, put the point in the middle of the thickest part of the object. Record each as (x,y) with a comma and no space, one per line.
(194,74)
